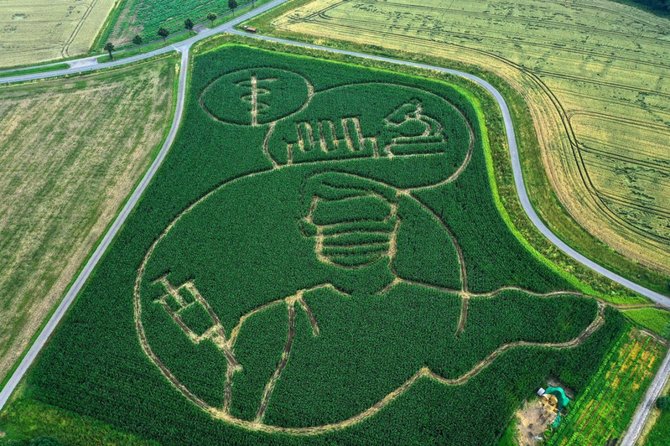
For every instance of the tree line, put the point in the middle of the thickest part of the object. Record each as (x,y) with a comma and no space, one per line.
(164,32)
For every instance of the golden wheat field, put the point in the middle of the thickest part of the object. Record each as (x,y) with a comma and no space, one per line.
(32,31)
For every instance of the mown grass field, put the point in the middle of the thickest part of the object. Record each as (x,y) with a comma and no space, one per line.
(602,411)
(144,17)
(596,85)
(72,149)
(320,259)
(31,32)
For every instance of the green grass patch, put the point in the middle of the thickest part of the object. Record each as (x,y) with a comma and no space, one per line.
(33,420)
(39,69)
(654,319)
(660,433)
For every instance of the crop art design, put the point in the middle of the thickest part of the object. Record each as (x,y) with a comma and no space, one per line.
(311,260)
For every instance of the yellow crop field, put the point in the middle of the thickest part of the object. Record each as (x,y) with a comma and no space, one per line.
(31,31)
(71,150)
(596,78)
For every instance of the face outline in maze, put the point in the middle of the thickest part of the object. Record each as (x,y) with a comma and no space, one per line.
(361,206)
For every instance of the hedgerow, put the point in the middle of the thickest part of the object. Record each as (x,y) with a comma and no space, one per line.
(250,209)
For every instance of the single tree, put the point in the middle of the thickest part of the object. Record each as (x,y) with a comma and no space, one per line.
(137,40)
(109,47)
(232,4)
(663,403)
(188,24)
(163,33)
(211,17)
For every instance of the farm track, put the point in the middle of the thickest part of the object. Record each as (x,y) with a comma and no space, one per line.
(184,48)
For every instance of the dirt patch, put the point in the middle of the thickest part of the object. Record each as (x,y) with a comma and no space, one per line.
(532,420)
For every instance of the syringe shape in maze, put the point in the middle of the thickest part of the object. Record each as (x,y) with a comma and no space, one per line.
(256,90)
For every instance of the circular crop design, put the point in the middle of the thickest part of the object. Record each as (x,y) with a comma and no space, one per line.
(255,96)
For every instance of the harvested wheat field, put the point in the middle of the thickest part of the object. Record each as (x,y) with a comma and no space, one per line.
(72,149)
(37,31)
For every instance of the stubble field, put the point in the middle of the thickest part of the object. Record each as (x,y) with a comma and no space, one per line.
(72,149)
(31,32)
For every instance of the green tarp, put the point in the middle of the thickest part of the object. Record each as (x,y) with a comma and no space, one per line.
(559,393)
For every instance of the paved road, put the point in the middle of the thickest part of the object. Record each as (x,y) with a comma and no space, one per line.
(184,48)
(644,409)
(79,66)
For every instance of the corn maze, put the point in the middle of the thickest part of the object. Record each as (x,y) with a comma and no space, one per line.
(319,258)
(594,77)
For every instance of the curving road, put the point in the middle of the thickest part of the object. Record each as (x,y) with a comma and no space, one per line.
(84,65)
(514,152)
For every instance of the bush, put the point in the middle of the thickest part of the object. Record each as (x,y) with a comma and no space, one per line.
(663,403)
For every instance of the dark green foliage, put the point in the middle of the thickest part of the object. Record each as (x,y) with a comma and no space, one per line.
(109,47)
(251,242)
(163,32)
(188,24)
(659,5)
(663,403)
(137,40)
